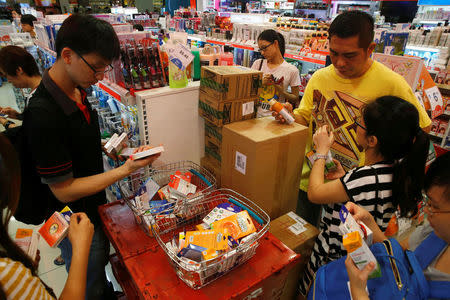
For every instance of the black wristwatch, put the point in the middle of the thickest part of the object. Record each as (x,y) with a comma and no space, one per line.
(7,124)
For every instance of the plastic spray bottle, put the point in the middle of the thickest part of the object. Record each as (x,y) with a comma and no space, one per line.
(279,108)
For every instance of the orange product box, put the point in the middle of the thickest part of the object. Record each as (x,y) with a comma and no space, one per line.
(54,230)
(237,225)
(209,239)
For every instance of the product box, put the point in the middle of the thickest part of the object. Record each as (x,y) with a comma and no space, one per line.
(213,166)
(213,133)
(262,160)
(220,113)
(54,230)
(28,241)
(213,150)
(230,82)
(300,237)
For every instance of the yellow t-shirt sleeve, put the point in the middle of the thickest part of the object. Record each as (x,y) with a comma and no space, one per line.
(306,105)
(404,91)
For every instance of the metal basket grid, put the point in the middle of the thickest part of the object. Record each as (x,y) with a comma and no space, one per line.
(197,275)
(129,187)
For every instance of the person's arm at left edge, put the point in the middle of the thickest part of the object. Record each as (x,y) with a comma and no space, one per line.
(320,192)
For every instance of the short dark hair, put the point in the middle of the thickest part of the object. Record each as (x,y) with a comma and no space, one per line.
(28,19)
(139,27)
(86,34)
(271,36)
(13,57)
(353,23)
(438,173)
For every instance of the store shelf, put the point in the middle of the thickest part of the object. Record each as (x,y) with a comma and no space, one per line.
(429,21)
(45,48)
(305,58)
(440,136)
(422,48)
(246,47)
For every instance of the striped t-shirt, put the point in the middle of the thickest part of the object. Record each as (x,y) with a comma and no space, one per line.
(362,188)
(18,283)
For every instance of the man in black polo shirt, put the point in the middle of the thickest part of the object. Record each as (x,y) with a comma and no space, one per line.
(64,135)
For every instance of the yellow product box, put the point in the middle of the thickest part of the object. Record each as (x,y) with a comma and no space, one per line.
(237,225)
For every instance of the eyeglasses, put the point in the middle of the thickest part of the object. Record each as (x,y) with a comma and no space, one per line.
(358,122)
(432,212)
(264,48)
(96,73)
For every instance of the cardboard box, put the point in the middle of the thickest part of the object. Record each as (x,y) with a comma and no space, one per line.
(288,229)
(213,150)
(213,167)
(262,160)
(220,113)
(230,82)
(214,133)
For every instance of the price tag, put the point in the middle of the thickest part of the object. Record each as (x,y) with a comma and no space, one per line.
(435,98)
(181,56)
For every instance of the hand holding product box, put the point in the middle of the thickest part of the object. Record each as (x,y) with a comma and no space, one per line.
(360,252)
(349,224)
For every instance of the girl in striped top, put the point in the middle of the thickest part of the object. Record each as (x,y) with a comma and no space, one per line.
(392,176)
(18,278)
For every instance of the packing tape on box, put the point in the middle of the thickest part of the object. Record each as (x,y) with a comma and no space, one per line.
(214,112)
(209,83)
(210,129)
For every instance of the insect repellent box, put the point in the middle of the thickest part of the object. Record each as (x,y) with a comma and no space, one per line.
(230,82)
(300,237)
(262,159)
(220,113)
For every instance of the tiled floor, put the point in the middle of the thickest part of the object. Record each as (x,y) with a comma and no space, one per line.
(54,276)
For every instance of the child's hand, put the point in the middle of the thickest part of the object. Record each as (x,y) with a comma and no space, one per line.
(336,174)
(323,140)
(81,231)
(358,278)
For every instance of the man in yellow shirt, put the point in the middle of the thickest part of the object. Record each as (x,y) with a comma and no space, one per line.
(335,94)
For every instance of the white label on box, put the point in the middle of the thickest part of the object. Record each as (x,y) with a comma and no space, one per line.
(241,162)
(297,228)
(152,188)
(248,108)
(296,218)
(435,98)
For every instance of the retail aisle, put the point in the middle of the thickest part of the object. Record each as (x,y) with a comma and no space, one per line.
(54,276)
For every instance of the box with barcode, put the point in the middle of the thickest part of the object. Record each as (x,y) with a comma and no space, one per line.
(219,113)
(262,159)
(230,82)
(300,236)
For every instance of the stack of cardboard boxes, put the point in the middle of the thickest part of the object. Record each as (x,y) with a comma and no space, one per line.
(227,94)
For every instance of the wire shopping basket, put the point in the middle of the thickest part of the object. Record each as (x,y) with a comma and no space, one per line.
(199,274)
(129,189)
